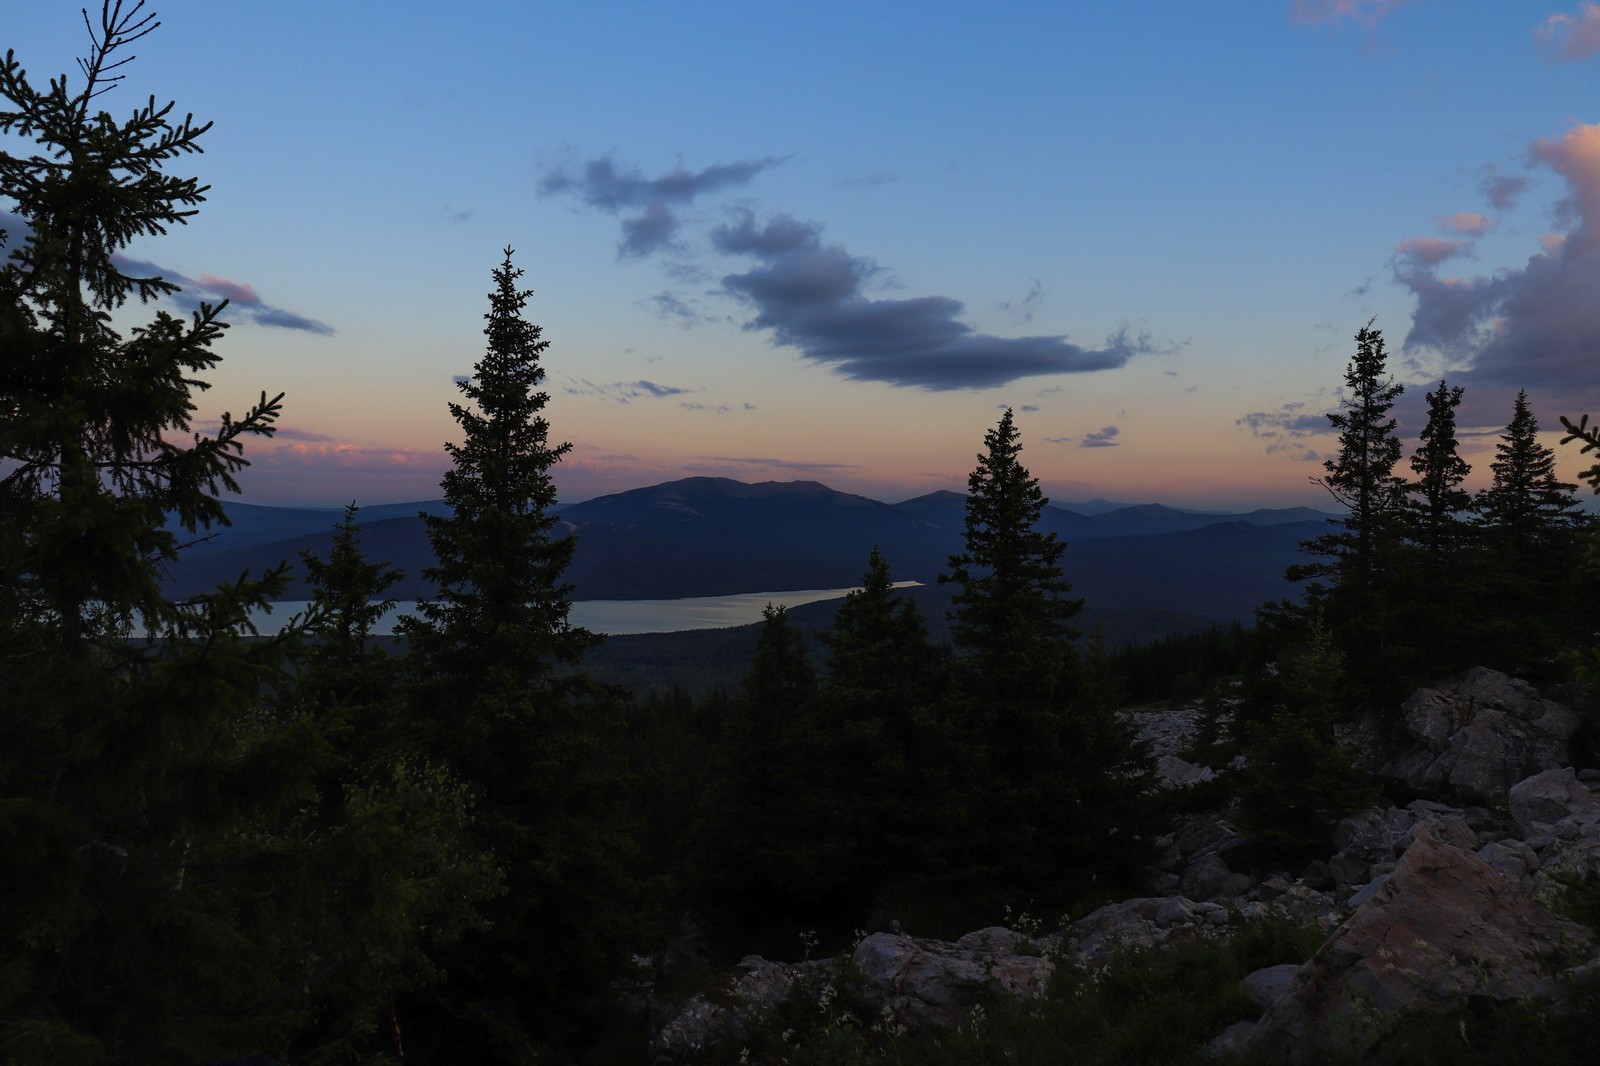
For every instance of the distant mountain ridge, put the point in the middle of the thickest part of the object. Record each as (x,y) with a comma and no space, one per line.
(704,536)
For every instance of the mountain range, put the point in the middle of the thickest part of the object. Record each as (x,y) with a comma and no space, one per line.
(707,536)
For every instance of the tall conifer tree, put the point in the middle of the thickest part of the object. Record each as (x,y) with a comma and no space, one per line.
(1013,605)
(1361,477)
(501,620)
(1437,499)
(1362,554)
(540,748)
(1040,787)
(1530,528)
(1526,505)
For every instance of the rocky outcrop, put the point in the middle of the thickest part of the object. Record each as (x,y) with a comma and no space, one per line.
(931,981)
(1426,905)
(1474,737)
(1442,927)
(754,985)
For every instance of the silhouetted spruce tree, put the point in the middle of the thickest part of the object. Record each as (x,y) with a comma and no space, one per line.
(1531,529)
(1362,553)
(540,749)
(169,890)
(1012,610)
(1043,783)
(1437,501)
(1435,587)
(346,666)
(1526,507)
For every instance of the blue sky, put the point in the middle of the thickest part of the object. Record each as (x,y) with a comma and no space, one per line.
(833,241)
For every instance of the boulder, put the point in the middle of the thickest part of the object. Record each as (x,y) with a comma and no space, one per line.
(1551,797)
(1478,735)
(754,985)
(1445,925)
(1146,922)
(1209,878)
(1265,986)
(1173,772)
(932,981)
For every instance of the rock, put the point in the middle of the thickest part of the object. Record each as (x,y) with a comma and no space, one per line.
(1233,1040)
(1266,985)
(1550,797)
(1445,926)
(1208,835)
(931,981)
(1513,858)
(1173,772)
(1209,878)
(752,986)
(1148,922)
(1478,735)
(1168,732)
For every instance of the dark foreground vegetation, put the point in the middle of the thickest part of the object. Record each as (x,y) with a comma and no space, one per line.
(307,848)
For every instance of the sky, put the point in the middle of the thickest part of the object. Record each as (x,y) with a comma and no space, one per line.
(834,241)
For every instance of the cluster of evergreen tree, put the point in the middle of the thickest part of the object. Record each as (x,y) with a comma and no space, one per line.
(214,843)
(905,778)
(1420,577)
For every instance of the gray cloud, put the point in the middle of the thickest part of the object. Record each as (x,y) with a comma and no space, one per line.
(605,186)
(621,392)
(1029,303)
(652,230)
(1503,191)
(809,295)
(1286,427)
(1104,437)
(1537,326)
(706,408)
(670,307)
(208,288)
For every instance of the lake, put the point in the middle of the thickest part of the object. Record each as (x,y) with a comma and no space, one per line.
(619,617)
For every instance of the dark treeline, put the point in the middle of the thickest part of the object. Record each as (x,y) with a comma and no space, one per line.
(320,849)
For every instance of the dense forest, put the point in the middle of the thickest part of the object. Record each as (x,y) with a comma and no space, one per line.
(313,848)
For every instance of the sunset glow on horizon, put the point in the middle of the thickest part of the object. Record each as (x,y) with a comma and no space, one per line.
(833,242)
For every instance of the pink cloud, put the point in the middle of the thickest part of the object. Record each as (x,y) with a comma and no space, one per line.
(1566,38)
(1430,251)
(1366,12)
(1536,326)
(1466,223)
(238,292)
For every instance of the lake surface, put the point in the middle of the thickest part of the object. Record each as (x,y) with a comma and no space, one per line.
(619,617)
